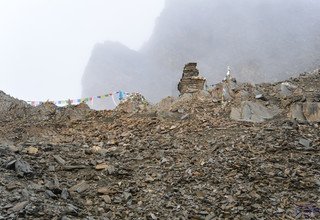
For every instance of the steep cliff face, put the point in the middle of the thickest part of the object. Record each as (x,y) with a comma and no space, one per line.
(113,67)
(260,40)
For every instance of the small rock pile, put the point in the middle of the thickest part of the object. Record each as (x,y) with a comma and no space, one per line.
(134,103)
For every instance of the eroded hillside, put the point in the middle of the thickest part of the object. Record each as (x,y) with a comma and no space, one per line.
(201,156)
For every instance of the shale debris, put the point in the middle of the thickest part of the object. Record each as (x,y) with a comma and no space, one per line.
(199,156)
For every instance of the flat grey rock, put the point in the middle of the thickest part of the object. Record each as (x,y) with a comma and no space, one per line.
(253,112)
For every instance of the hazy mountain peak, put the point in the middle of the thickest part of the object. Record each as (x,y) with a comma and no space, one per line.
(260,40)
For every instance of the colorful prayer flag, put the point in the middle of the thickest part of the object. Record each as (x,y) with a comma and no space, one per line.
(75,101)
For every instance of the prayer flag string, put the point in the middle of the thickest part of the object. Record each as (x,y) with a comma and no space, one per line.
(121,95)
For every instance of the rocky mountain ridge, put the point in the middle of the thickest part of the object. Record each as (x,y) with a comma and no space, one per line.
(207,155)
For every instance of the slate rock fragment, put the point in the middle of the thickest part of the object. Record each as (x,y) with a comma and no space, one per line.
(21,167)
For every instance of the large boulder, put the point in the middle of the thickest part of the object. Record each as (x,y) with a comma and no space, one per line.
(253,112)
(303,112)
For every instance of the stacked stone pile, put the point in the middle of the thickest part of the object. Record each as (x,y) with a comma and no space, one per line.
(191,82)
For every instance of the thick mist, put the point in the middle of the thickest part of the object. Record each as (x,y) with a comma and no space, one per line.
(262,40)
(45,45)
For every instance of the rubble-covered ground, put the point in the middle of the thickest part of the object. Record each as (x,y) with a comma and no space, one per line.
(180,159)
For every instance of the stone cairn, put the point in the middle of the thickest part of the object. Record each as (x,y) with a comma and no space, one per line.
(191,82)
(226,89)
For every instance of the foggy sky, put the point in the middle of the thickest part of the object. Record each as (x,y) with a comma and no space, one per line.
(262,41)
(45,45)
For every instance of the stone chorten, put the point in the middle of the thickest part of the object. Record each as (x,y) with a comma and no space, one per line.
(191,82)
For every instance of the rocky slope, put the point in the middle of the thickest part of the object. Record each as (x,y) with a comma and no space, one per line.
(261,40)
(184,158)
